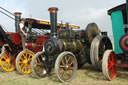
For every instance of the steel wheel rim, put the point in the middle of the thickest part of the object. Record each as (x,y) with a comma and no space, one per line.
(24,62)
(7,64)
(112,69)
(67,65)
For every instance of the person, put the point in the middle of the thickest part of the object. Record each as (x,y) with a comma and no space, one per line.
(22,32)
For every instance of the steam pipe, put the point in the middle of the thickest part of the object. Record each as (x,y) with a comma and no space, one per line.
(53,20)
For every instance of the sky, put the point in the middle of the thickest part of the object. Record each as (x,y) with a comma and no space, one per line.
(78,12)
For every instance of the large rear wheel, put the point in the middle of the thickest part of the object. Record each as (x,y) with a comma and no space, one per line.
(23,61)
(103,43)
(65,66)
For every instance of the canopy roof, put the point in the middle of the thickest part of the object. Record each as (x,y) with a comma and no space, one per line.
(43,24)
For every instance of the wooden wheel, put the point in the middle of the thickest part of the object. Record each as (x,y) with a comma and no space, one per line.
(103,43)
(23,61)
(92,31)
(39,65)
(65,66)
(108,66)
(7,61)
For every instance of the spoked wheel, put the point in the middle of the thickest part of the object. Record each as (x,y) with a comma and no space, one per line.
(65,66)
(7,62)
(39,65)
(103,43)
(108,66)
(23,61)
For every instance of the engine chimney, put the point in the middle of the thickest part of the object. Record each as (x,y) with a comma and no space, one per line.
(53,20)
(17,20)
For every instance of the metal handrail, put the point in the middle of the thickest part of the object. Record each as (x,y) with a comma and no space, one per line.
(7,12)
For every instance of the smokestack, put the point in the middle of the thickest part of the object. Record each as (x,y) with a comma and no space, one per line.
(53,20)
(17,20)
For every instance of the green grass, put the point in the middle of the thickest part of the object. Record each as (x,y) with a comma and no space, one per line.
(88,75)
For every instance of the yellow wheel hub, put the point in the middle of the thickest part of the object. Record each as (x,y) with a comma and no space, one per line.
(24,61)
(5,62)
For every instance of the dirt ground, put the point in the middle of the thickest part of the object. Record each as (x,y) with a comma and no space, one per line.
(85,76)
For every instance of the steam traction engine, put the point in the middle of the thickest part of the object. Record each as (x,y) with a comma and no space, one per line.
(12,55)
(65,51)
(11,44)
(12,48)
(106,58)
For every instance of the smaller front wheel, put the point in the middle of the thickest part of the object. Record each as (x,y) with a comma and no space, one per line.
(65,66)
(23,61)
(108,64)
(39,65)
(7,61)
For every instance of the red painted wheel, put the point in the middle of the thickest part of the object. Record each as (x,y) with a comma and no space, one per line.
(108,64)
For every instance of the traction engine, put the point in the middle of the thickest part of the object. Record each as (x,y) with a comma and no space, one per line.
(66,50)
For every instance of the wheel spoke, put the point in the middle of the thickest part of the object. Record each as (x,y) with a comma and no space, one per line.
(24,56)
(20,66)
(61,66)
(62,61)
(38,60)
(66,60)
(69,58)
(70,64)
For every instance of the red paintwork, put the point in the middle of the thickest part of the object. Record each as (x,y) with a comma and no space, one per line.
(38,46)
(35,47)
(41,39)
(112,69)
(16,39)
(1,44)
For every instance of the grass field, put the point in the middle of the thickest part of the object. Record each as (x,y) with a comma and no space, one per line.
(85,76)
